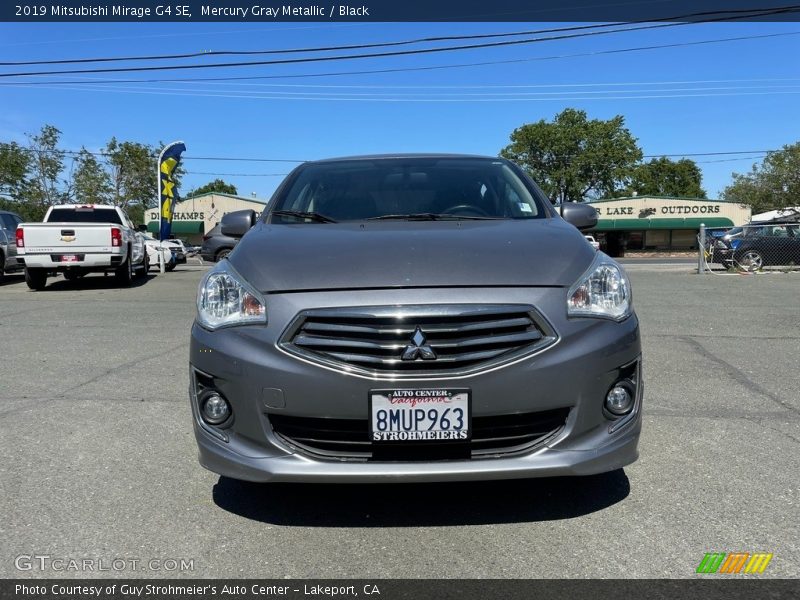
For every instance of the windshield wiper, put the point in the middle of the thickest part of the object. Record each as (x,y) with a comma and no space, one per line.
(314,216)
(428,217)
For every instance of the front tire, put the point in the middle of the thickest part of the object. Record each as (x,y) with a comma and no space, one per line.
(36,279)
(124,274)
(145,266)
(223,254)
(751,261)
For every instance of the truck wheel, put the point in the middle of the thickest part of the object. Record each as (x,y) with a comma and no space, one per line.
(145,266)
(36,279)
(124,273)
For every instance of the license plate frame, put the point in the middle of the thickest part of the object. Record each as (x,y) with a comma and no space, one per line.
(412,399)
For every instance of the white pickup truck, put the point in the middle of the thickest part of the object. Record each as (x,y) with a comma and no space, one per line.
(79,239)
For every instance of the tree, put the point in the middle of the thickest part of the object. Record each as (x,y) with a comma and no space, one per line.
(665,177)
(214,186)
(14,165)
(132,173)
(42,186)
(574,158)
(91,183)
(773,184)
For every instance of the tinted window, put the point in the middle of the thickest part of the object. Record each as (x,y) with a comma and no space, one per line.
(363,189)
(9,221)
(83,215)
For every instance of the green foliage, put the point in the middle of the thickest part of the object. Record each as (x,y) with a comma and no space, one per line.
(34,177)
(132,173)
(42,186)
(14,165)
(91,183)
(574,158)
(214,186)
(773,184)
(665,177)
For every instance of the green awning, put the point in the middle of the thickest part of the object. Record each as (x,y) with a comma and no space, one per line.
(679,223)
(185,227)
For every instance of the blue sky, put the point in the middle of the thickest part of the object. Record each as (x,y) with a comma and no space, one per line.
(721,97)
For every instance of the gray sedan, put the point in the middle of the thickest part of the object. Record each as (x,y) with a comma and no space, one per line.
(414,318)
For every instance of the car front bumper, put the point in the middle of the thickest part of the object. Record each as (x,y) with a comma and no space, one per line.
(258,378)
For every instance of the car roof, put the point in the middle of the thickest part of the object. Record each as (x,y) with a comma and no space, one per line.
(373,157)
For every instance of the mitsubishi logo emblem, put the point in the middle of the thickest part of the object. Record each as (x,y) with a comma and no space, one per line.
(418,348)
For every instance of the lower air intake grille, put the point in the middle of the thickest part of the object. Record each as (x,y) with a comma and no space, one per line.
(349,438)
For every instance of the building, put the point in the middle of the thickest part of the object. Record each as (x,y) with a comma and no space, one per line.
(661,223)
(194,217)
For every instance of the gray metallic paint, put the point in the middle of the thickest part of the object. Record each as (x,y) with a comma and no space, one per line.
(315,266)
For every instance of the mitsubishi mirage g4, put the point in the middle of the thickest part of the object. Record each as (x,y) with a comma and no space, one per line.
(414,318)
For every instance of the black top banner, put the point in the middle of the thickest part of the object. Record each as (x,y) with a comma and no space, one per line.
(399,10)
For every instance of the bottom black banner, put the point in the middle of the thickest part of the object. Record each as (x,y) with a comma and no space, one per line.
(398,589)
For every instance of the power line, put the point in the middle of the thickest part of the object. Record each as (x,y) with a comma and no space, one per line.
(287,160)
(423,40)
(761,12)
(639,95)
(92,81)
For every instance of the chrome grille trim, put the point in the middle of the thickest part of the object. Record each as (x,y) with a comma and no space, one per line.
(369,340)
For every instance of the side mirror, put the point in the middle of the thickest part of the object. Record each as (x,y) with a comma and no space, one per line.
(582,216)
(141,228)
(237,223)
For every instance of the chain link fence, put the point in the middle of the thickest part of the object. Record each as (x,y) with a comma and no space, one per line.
(752,248)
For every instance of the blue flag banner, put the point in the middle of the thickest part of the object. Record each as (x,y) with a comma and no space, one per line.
(167,190)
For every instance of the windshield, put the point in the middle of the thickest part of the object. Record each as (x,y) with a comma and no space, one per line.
(353,190)
(83,215)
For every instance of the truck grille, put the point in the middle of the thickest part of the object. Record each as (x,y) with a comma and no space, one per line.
(418,340)
(349,438)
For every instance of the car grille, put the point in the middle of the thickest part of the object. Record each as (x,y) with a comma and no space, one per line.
(349,438)
(418,340)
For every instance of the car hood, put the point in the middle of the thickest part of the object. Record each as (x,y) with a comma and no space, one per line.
(385,254)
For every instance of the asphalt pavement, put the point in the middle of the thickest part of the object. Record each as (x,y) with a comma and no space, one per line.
(99,461)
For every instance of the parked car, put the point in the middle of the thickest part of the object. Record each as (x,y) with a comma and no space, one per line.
(8,244)
(414,318)
(592,242)
(154,248)
(759,246)
(216,246)
(78,239)
(178,251)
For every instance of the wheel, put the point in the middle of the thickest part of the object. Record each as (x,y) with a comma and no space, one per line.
(2,267)
(751,260)
(145,266)
(223,254)
(465,210)
(36,279)
(170,266)
(124,273)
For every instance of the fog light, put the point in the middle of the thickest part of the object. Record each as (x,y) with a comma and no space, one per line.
(215,409)
(619,400)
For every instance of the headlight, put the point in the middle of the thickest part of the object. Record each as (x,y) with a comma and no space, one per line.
(224,299)
(603,291)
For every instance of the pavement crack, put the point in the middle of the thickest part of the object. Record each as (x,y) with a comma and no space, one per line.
(122,367)
(737,374)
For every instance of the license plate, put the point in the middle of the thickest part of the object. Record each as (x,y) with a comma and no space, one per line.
(408,415)
(69,258)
